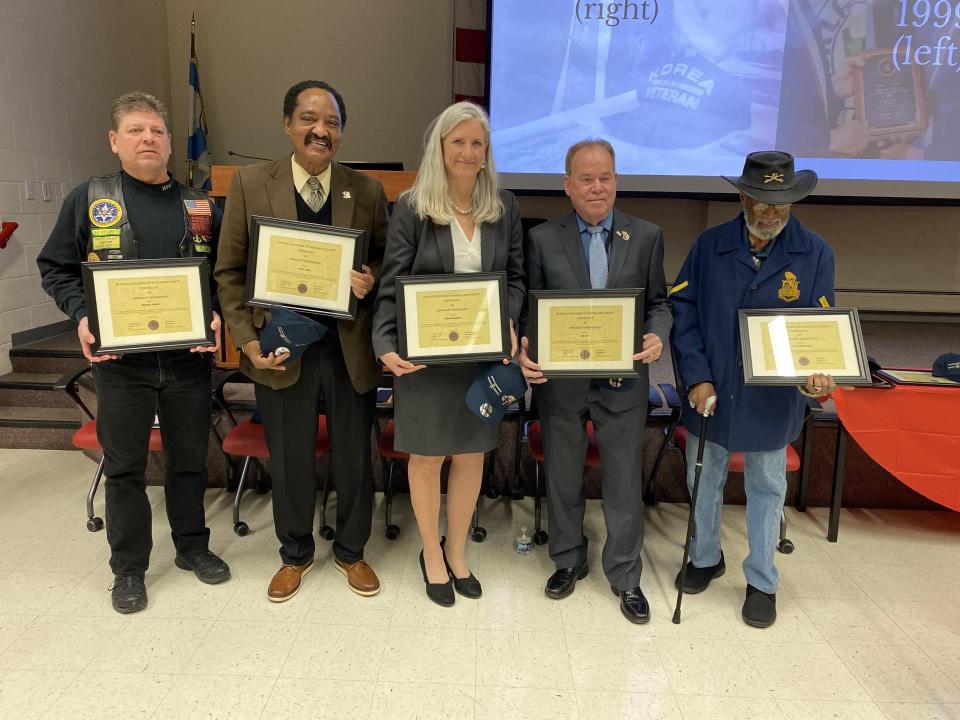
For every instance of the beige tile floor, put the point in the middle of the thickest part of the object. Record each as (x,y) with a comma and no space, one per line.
(869,628)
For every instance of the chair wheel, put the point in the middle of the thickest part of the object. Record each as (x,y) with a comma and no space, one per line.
(492,493)
(785,546)
(241,528)
(649,499)
(392,532)
(540,537)
(94,524)
(326,532)
(479,534)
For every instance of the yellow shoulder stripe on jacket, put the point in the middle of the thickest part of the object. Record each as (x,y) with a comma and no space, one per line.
(824,302)
(678,288)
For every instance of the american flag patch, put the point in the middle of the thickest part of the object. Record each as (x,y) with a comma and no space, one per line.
(198,207)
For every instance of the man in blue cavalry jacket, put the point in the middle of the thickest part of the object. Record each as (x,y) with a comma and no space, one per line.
(764,258)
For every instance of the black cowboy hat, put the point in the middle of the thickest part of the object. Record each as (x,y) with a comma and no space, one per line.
(768,176)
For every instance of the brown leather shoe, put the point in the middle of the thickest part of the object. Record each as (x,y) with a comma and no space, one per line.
(286,582)
(360,577)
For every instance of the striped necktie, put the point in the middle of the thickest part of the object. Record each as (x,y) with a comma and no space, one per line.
(315,201)
(598,257)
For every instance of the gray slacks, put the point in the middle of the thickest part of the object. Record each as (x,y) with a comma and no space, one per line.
(619,437)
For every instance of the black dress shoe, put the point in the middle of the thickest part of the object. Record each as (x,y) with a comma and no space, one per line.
(128,593)
(759,608)
(633,605)
(698,579)
(206,566)
(564,580)
(440,593)
(469,586)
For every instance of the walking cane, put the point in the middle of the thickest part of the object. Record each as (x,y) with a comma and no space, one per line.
(691,523)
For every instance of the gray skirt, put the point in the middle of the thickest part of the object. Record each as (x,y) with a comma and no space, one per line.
(431,413)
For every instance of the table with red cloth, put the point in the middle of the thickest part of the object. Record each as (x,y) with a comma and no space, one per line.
(912,431)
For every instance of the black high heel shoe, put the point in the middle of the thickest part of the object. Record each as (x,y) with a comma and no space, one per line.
(440,593)
(469,586)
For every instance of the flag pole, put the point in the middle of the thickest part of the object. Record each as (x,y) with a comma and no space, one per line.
(193,32)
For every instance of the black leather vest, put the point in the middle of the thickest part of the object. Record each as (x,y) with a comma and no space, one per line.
(111,235)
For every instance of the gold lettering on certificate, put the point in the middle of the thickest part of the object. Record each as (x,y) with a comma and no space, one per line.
(150,305)
(586,333)
(813,344)
(305,268)
(453,318)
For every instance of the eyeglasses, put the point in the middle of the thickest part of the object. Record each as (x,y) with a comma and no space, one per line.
(763,207)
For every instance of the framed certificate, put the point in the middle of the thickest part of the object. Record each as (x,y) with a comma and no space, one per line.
(915,377)
(784,346)
(586,333)
(148,305)
(303,266)
(453,318)
(889,99)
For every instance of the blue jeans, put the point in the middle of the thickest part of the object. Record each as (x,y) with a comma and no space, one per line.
(765,482)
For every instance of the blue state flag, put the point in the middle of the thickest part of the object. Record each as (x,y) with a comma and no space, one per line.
(198,154)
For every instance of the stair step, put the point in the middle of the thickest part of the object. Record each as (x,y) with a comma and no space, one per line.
(19,389)
(40,428)
(65,418)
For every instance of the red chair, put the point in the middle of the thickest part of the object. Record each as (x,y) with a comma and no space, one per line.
(86,439)
(391,456)
(736,465)
(247,440)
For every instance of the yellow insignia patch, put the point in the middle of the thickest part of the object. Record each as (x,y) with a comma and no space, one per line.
(789,288)
(105,212)
(93,257)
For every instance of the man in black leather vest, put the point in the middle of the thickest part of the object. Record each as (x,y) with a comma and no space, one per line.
(142,213)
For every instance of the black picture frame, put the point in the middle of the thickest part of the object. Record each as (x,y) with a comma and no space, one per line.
(851,339)
(499,324)
(540,301)
(95,277)
(256,294)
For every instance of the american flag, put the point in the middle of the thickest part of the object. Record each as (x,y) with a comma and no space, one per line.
(197,207)
(469,50)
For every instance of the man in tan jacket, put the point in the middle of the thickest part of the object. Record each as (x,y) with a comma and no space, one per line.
(339,373)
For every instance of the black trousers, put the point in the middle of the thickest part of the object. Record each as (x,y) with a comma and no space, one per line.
(290,418)
(174,384)
(619,437)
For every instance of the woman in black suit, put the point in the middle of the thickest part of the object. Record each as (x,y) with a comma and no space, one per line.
(453,220)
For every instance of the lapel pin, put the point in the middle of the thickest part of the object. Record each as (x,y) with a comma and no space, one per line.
(623,234)
(345,194)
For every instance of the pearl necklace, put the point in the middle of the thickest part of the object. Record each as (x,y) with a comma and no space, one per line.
(461,210)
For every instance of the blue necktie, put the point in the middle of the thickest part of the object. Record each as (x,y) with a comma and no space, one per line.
(598,257)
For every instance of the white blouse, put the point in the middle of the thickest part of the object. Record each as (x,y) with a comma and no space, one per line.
(466,253)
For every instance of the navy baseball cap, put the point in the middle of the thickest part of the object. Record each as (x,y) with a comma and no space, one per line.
(291,331)
(947,366)
(496,388)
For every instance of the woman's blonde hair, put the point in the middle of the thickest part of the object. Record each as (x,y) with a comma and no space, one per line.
(429,195)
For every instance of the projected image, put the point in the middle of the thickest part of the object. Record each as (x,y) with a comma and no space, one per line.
(875,79)
(695,81)
(860,89)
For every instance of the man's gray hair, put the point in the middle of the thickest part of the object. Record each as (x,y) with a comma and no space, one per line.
(137,101)
(584,144)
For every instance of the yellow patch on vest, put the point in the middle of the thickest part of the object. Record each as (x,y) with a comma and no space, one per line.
(108,242)
(678,288)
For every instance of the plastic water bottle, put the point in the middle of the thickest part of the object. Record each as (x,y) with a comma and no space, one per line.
(523,546)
